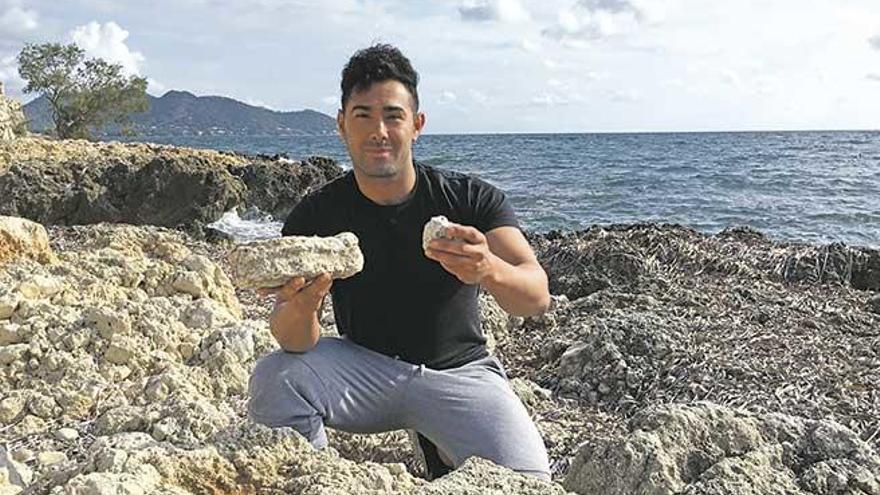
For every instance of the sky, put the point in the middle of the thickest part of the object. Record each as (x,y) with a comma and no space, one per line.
(506,66)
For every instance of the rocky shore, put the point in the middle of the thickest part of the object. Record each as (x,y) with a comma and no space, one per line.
(671,362)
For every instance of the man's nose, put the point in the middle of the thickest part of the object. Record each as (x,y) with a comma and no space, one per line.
(380,131)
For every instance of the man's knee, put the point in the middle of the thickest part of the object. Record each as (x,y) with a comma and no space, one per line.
(280,389)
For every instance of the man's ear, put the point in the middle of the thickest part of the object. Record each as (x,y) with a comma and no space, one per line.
(419,123)
(340,123)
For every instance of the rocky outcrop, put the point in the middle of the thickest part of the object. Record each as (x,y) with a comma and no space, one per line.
(124,363)
(706,449)
(12,121)
(273,262)
(78,182)
(123,369)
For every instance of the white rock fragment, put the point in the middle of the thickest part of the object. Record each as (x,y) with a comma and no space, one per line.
(9,334)
(107,322)
(120,350)
(11,406)
(50,457)
(8,304)
(66,434)
(12,353)
(20,237)
(435,229)
(14,475)
(40,286)
(273,262)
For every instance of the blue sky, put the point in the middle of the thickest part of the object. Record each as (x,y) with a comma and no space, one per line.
(500,65)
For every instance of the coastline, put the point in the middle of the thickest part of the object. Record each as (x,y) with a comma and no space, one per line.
(768,352)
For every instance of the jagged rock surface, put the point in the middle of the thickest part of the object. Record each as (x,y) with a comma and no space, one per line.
(273,262)
(135,341)
(706,449)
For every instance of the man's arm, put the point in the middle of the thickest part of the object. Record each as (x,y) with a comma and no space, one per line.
(501,261)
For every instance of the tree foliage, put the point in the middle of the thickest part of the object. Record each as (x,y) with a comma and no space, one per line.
(83,93)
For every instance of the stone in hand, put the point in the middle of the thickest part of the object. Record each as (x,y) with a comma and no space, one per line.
(435,229)
(271,263)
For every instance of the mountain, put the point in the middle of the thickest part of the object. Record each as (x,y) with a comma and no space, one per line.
(183,113)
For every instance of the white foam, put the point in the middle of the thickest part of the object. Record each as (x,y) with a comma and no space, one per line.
(246,230)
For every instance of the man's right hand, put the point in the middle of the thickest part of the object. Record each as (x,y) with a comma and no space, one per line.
(294,321)
(302,298)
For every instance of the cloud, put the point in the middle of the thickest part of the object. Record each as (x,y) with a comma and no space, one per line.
(613,6)
(16,21)
(12,82)
(493,10)
(107,41)
(155,87)
(589,20)
(731,77)
(874,41)
(447,97)
(479,97)
(625,95)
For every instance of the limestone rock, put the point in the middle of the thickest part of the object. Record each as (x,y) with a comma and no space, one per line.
(66,434)
(273,262)
(13,123)
(435,228)
(495,322)
(706,449)
(50,457)
(14,475)
(22,237)
(481,477)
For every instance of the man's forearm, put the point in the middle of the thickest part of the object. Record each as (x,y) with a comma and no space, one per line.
(520,290)
(294,334)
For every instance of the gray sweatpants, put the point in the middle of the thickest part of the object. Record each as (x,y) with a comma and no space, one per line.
(466,411)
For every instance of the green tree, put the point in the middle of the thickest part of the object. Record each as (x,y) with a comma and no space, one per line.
(83,94)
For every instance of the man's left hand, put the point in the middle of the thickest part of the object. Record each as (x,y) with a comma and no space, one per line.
(466,255)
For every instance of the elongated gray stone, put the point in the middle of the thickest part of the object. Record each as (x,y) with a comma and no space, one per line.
(272,263)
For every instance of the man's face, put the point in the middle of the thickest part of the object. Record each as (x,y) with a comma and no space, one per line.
(379,126)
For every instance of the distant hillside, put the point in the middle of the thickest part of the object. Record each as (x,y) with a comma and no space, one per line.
(183,113)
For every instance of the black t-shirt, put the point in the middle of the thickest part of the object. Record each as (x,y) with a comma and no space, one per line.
(403,304)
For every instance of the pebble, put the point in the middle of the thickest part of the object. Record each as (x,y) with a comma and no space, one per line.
(50,457)
(67,434)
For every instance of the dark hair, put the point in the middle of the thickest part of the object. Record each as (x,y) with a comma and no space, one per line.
(378,63)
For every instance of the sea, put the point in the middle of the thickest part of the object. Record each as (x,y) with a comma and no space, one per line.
(813,187)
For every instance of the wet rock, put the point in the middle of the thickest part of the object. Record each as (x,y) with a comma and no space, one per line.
(273,262)
(79,182)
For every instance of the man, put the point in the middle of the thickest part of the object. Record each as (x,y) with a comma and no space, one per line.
(412,354)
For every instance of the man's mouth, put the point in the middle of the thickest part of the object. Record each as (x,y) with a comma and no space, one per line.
(379,151)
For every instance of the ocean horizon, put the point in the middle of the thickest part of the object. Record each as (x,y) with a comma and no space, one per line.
(798,186)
